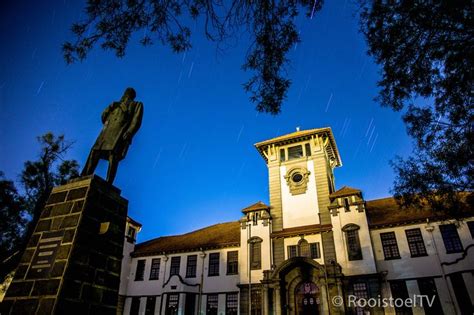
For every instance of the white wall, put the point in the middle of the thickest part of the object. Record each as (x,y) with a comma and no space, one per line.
(353,267)
(126,263)
(426,266)
(411,268)
(221,283)
(263,232)
(302,209)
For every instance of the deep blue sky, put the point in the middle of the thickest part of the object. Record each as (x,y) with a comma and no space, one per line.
(193,162)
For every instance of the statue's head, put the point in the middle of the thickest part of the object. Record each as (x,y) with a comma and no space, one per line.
(129,94)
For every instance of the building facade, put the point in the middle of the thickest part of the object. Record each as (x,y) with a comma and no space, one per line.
(312,250)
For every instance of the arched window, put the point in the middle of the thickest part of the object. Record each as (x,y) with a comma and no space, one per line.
(303,248)
(347,206)
(255,253)
(354,251)
(255,218)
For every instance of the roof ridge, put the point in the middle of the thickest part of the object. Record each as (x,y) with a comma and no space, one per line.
(206,227)
(187,233)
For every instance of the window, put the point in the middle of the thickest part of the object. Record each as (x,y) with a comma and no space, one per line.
(470,225)
(190,303)
(175,264)
(315,250)
(135,307)
(389,244)
(213,264)
(255,218)
(461,293)
(140,271)
(212,304)
(191,266)
(347,206)
(255,253)
(427,287)
(303,248)
(231,304)
(232,263)
(172,305)
(399,291)
(360,291)
(256,301)
(307,149)
(415,243)
(155,269)
(451,240)
(354,251)
(295,152)
(282,155)
(150,305)
(131,233)
(292,251)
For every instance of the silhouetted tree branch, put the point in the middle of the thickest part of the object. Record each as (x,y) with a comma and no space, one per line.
(426,50)
(271,23)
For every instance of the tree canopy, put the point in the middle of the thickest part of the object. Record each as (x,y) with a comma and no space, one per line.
(12,217)
(270,23)
(426,53)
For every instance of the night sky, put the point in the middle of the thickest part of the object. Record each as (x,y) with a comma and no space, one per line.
(192,163)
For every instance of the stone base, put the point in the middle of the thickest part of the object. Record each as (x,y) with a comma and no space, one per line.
(73,259)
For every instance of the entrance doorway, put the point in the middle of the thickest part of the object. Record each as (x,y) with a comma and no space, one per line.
(307,299)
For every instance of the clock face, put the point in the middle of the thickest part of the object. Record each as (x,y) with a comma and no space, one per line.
(297,177)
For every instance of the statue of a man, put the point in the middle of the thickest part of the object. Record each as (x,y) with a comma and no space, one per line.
(121,121)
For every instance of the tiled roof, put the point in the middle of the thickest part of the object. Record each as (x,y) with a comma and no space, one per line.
(345,191)
(132,221)
(386,211)
(256,206)
(214,236)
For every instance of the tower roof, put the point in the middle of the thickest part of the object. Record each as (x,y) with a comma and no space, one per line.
(345,191)
(301,135)
(256,206)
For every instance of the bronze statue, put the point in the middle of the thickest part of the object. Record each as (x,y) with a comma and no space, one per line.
(121,121)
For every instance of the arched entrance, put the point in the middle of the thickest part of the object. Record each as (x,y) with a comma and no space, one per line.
(307,299)
(299,287)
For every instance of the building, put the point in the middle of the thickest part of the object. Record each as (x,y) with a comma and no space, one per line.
(311,245)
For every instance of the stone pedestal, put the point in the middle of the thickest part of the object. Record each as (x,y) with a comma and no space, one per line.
(73,259)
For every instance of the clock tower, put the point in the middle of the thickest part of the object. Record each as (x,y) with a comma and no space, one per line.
(301,178)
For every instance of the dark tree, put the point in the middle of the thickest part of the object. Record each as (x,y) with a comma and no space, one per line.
(270,23)
(38,179)
(50,169)
(426,51)
(12,222)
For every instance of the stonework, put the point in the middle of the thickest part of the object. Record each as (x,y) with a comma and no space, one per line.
(68,266)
